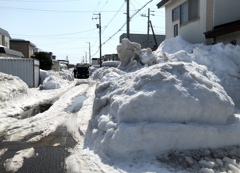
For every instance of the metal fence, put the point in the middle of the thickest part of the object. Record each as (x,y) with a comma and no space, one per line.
(25,69)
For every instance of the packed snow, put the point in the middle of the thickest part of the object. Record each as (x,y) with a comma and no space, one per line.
(172,110)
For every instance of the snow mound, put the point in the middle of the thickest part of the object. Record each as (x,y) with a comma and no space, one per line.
(170,92)
(155,103)
(174,45)
(224,62)
(53,80)
(12,88)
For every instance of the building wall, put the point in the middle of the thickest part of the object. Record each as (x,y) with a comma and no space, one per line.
(1,40)
(191,31)
(226,11)
(24,48)
(142,39)
(7,42)
(4,41)
(31,50)
(227,38)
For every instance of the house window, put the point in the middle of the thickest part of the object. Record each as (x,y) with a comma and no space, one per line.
(176,14)
(193,9)
(186,11)
(175,30)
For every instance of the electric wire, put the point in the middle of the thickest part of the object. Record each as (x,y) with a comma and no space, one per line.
(59,11)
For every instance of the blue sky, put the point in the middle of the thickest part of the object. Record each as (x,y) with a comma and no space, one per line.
(65,27)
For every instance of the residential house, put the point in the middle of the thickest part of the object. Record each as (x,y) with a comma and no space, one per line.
(203,21)
(5,50)
(24,46)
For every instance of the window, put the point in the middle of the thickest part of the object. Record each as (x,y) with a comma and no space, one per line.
(186,11)
(193,9)
(175,32)
(176,14)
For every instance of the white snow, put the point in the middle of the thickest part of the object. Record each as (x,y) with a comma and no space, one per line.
(15,163)
(182,98)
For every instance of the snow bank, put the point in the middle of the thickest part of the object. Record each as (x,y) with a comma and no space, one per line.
(222,60)
(12,90)
(53,80)
(170,92)
(168,99)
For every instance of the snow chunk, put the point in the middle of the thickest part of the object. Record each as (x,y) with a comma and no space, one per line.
(126,51)
(15,163)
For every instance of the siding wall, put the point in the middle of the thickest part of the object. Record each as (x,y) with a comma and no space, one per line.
(193,30)
(226,11)
(25,69)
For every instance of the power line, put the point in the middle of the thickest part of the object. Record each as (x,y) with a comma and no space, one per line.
(126,22)
(114,16)
(73,33)
(60,11)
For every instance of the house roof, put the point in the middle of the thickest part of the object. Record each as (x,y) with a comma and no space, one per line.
(10,51)
(21,41)
(162,3)
(4,32)
(223,29)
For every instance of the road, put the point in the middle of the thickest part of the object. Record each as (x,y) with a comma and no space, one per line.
(51,134)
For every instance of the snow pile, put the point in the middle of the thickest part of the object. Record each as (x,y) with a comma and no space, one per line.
(52,80)
(12,90)
(222,60)
(174,45)
(167,102)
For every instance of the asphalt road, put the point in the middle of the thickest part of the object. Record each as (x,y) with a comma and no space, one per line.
(49,158)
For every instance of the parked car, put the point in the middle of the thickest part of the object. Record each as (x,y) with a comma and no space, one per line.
(82,72)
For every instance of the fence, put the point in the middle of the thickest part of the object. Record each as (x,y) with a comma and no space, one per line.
(25,69)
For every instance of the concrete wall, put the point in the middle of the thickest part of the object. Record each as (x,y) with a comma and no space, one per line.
(26,69)
(226,11)
(191,31)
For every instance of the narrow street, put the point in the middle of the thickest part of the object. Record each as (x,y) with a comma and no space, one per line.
(51,134)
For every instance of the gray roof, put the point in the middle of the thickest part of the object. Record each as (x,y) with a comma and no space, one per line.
(10,52)
(4,32)
(15,40)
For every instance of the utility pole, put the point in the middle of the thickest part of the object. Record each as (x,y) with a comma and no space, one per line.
(89,52)
(148,24)
(148,27)
(128,20)
(100,37)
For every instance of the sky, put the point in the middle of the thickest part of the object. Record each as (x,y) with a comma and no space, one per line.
(68,27)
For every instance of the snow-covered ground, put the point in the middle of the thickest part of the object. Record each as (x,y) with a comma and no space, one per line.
(172,110)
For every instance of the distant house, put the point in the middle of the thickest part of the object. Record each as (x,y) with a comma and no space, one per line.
(24,46)
(203,21)
(5,50)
